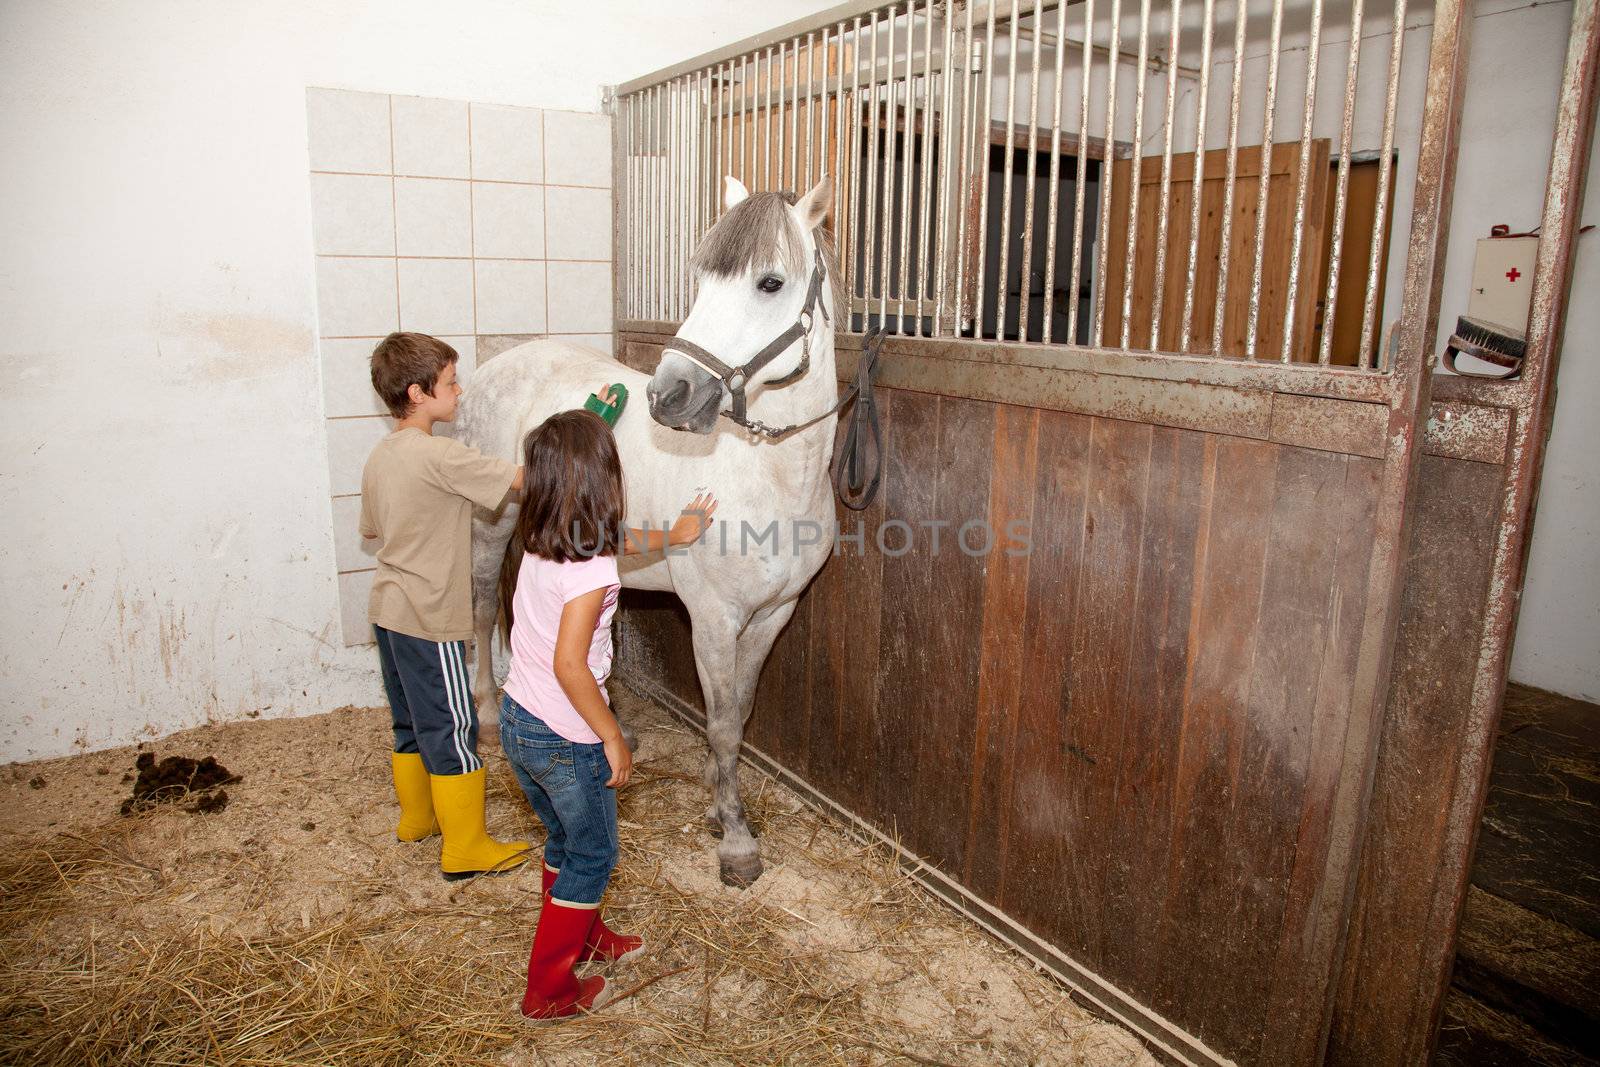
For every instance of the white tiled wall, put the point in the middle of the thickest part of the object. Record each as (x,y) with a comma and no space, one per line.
(482,224)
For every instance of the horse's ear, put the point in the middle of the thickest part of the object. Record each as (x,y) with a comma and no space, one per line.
(733,192)
(815,205)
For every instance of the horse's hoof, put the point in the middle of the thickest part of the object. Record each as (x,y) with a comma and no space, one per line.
(741,874)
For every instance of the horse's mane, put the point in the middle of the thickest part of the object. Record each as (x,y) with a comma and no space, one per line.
(760,230)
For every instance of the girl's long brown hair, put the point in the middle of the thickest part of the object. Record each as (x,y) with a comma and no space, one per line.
(571,505)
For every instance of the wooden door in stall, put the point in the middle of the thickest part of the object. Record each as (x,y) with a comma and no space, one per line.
(1277,253)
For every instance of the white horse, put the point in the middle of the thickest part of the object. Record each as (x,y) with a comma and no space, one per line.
(756,269)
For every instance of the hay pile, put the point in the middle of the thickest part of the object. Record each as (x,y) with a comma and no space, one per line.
(163,939)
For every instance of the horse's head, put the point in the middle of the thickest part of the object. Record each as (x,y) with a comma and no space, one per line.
(754,271)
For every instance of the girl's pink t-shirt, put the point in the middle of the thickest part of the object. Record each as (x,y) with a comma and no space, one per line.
(543,589)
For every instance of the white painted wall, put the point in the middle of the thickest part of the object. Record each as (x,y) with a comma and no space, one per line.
(168,556)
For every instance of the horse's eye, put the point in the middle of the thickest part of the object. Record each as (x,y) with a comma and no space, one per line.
(770,284)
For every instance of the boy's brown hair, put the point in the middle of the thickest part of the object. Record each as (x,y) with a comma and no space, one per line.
(402,360)
(572,501)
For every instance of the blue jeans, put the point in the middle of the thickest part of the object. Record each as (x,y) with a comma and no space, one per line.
(566,784)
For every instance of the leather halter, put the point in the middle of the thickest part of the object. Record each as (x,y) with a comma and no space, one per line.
(737,378)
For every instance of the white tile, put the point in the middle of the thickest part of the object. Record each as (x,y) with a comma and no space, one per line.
(507,143)
(510,296)
(433,217)
(430,137)
(580,297)
(355,297)
(507,221)
(579,223)
(350,442)
(352,215)
(355,592)
(436,296)
(577,148)
(348,131)
(601,341)
(351,551)
(347,378)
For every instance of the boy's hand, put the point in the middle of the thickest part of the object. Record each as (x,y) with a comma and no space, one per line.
(694,521)
(620,759)
(603,394)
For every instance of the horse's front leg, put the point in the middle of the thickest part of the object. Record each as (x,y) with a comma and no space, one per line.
(490,532)
(739,854)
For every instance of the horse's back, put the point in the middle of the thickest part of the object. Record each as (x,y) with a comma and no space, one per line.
(522,386)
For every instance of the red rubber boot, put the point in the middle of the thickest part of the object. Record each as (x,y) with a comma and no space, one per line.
(603,945)
(554,992)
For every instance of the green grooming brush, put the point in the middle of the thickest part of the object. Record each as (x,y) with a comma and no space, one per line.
(610,412)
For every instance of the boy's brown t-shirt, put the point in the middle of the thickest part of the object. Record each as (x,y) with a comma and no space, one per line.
(417,493)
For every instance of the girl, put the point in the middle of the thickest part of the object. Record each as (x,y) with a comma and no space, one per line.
(558,592)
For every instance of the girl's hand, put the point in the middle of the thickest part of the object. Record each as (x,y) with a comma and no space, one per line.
(620,759)
(695,520)
(603,394)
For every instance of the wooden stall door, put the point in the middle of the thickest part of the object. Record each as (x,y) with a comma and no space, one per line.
(1277,252)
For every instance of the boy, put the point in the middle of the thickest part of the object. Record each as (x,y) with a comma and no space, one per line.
(417,495)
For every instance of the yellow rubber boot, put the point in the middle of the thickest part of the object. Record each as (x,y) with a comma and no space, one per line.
(416,799)
(468,850)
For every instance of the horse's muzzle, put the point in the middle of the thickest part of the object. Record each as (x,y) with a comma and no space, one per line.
(683,404)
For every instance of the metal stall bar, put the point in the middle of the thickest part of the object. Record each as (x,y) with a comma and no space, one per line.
(925,201)
(1369,305)
(764,96)
(947,138)
(856,231)
(908,144)
(1106,171)
(968,111)
(1073,288)
(868,234)
(886,131)
(1265,181)
(1166,179)
(1301,181)
(1048,308)
(1002,288)
(1197,186)
(1342,189)
(794,123)
(1025,271)
(811,103)
(1134,180)
(1225,240)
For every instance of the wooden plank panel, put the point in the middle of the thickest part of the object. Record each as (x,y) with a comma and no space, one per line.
(1330,425)
(1298,990)
(1000,673)
(1096,669)
(1153,695)
(1441,619)
(944,737)
(1205,872)
(1298,613)
(1033,845)
(908,677)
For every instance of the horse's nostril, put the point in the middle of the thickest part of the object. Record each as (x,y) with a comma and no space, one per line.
(673,397)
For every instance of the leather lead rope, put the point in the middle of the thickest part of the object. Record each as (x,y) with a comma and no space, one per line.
(857,491)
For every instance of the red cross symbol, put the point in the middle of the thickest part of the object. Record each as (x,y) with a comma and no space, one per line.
(1513,274)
